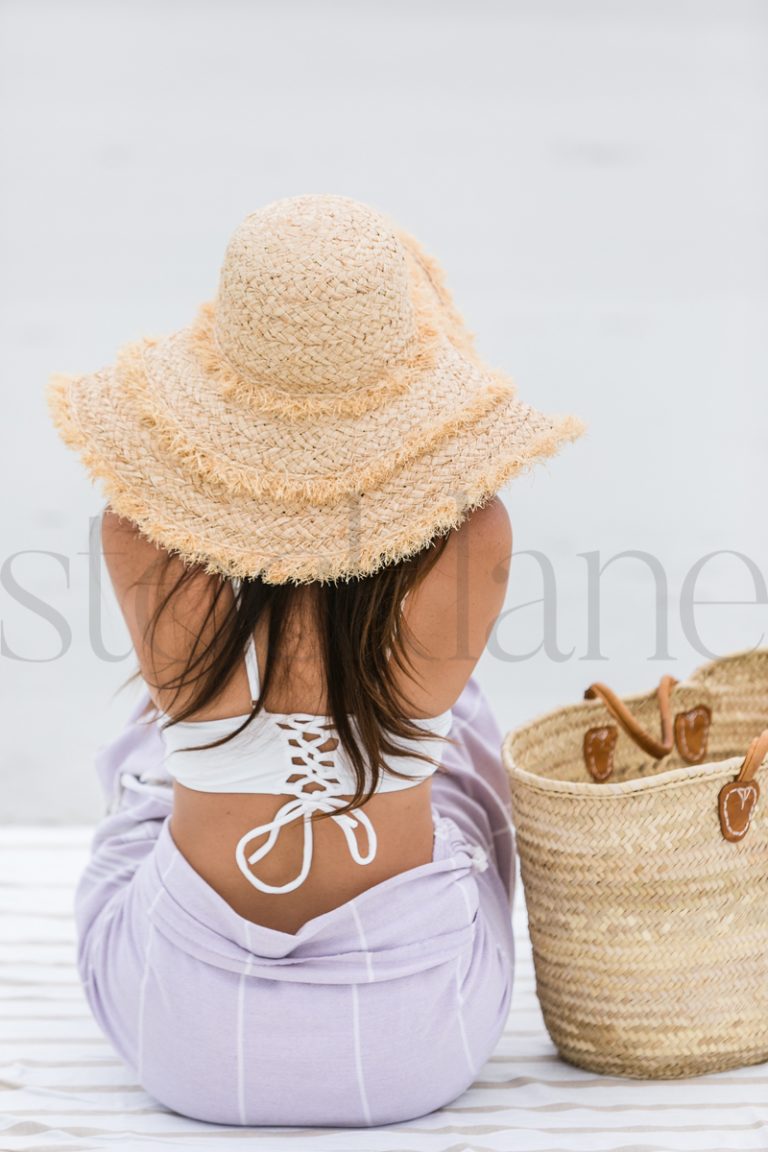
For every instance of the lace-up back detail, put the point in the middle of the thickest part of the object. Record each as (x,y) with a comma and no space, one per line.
(293,754)
(311,747)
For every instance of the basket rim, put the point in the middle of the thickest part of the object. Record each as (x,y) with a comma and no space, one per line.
(585,707)
(714,770)
(697,680)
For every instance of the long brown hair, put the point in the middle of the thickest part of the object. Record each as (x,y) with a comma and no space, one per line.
(362,633)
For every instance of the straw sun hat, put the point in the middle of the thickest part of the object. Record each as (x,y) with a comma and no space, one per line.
(325,415)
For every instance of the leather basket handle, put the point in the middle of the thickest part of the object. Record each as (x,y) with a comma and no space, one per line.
(623,716)
(738,798)
(756,753)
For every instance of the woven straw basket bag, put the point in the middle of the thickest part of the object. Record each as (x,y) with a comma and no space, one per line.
(644,860)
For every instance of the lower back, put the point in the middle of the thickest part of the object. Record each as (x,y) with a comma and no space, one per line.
(207,827)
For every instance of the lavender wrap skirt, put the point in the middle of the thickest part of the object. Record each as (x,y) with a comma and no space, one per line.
(379,1011)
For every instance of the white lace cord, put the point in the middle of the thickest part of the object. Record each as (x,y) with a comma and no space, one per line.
(304,804)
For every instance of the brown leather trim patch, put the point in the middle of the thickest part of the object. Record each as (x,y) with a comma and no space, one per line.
(599,746)
(736,803)
(692,733)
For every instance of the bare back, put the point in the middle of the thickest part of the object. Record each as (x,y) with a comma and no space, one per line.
(450,615)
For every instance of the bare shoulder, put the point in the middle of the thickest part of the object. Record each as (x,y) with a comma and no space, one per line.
(127,553)
(488,527)
(142,575)
(451,614)
(475,561)
(133,560)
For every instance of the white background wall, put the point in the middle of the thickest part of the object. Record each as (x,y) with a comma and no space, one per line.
(593,176)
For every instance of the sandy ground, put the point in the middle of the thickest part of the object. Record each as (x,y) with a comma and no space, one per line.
(593,177)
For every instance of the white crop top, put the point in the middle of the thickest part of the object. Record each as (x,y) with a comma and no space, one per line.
(284,753)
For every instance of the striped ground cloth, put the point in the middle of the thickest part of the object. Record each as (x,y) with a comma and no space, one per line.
(63,1088)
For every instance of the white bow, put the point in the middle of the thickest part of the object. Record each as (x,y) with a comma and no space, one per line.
(303,805)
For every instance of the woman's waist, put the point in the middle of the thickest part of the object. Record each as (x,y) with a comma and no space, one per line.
(279,867)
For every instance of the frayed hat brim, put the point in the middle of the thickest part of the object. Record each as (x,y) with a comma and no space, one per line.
(318,420)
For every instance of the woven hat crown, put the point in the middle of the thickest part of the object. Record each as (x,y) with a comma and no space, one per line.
(314,295)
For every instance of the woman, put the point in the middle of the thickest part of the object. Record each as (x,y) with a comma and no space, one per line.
(297,909)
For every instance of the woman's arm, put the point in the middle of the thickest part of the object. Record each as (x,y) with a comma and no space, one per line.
(141,583)
(452,612)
